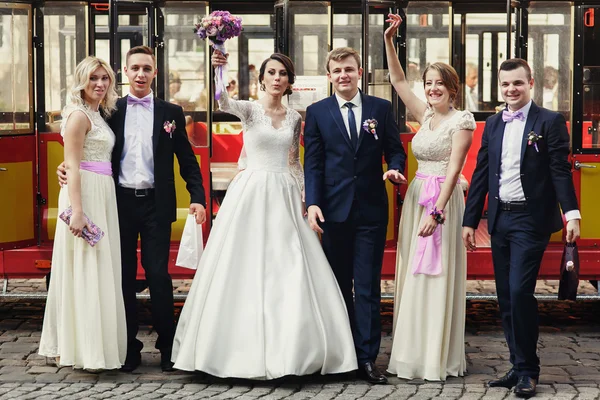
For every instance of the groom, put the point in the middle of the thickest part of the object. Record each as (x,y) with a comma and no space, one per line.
(523,164)
(142,165)
(346,196)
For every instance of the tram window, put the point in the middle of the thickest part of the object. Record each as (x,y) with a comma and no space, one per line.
(63,25)
(427,42)
(103,49)
(16,111)
(549,52)
(345,27)
(308,51)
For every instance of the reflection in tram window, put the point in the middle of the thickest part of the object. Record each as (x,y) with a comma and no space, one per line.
(63,25)
(427,33)
(15,69)
(185,58)
(549,52)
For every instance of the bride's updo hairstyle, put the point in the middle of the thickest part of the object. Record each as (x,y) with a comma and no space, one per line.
(289,67)
(81,80)
(449,77)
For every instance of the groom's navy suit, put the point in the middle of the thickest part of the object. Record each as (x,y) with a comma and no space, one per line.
(345,181)
(521,232)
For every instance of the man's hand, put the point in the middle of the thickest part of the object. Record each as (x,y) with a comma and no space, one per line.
(315,212)
(394,176)
(199,211)
(61,172)
(468,237)
(573,232)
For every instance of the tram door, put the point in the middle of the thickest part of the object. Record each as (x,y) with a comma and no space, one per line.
(18,172)
(131,24)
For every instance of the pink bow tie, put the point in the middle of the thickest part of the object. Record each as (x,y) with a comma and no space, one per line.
(508,116)
(145,102)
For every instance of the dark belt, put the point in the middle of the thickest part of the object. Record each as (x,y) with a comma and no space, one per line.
(513,205)
(137,192)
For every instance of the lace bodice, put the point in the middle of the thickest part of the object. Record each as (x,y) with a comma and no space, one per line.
(99,141)
(432,148)
(266,147)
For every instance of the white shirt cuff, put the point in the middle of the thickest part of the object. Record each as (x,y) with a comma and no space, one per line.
(573,214)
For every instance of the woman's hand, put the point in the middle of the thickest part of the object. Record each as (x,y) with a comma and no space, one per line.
(427,227)
(395,20)
(77,224)
(218,59)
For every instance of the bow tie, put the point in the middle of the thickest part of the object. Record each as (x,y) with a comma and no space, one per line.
(508,116)
(145,102)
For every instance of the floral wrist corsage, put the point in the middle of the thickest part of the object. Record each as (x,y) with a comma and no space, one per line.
(438,216)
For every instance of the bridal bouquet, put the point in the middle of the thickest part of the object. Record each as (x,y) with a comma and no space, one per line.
(218,27)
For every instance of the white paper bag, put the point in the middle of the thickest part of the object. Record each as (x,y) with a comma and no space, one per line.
(191,245)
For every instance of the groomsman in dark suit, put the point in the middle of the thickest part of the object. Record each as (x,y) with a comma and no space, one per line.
(149,133)
(346,196)
(523,165)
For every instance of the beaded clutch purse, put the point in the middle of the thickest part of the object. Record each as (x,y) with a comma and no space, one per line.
(92,235)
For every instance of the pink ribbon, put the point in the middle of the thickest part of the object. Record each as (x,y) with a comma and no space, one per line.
(97,167)
(428,256)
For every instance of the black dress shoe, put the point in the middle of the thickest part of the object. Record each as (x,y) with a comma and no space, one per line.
(369,372)
(525,387)
(132,362)
(507,381)
(165,362)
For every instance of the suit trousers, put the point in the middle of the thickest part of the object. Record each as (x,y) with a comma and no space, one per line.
(138,216)
(517,251)
(354,249)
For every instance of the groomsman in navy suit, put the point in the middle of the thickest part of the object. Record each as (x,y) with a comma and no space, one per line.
(523,164)
(346,196)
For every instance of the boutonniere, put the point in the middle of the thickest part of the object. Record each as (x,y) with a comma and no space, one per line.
(370,125)
(169,127)
(532,139)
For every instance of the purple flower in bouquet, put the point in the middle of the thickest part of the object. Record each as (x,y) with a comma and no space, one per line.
(218,27)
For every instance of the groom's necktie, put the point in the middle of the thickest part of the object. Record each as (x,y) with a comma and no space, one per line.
(352,125)
(144,102)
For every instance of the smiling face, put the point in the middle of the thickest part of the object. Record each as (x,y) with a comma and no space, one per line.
(344,75)
(97,85)
(140,71)
(436,92)
(515,86)
(276,78)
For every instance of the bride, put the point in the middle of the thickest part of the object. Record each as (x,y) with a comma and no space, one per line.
(264,302)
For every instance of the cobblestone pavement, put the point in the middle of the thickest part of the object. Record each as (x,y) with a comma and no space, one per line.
(569,352)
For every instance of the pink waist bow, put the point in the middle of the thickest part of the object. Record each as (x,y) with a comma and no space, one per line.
(97,167)
(428,255)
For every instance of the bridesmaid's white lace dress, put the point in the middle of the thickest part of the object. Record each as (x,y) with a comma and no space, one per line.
(264,302)
(429,310)
(84,320)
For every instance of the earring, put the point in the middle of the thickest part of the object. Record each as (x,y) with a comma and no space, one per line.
(262,86)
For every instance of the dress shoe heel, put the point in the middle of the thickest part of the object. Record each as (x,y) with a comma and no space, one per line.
(132,362)
(509,380)
(526,387)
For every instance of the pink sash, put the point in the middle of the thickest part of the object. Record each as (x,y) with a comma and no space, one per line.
(98,167)
(428,255)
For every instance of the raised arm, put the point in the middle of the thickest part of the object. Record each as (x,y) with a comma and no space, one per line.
(240,108)
(416,106)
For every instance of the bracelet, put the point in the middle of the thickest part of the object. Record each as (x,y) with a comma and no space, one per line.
(438,216)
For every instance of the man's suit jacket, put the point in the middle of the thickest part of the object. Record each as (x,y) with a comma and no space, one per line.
(164,147)
(335,173)
(545,175)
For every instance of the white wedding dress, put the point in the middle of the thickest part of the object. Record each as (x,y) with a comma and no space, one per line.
(264,302)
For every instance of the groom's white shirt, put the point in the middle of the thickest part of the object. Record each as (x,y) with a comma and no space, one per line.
(137,159)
